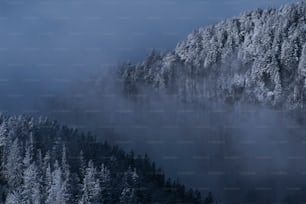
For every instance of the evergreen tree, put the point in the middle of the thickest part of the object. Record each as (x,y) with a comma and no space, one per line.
(66,173)
(209,199)
(46,177)
(91,190)
(13,198)
(56,194)
(105,182)
(82,165)
(128,193)
(13,166)
(31,187)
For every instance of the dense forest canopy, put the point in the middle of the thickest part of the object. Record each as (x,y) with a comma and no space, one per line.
(258,57)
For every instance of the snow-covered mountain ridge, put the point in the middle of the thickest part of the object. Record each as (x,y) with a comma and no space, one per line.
(258,57)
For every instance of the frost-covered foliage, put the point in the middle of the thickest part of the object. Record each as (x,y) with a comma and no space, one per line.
(42,162)
(258,57)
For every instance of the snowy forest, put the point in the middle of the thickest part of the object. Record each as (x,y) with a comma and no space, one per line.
(43,162)
(258,58)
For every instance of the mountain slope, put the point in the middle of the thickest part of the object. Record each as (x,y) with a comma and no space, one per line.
(43,162)
(259,57)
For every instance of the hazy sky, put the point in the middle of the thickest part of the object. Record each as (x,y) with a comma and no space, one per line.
(44,44)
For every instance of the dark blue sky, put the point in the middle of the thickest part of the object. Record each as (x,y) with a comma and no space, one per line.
(46,44)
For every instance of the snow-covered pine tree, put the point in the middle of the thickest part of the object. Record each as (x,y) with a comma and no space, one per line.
(3,135)
(91,189)
(56,194)
(13,198)
(129,187)
(105,183)
(46,176)
(66,174)
(13,165)
(82,165)
(31,190)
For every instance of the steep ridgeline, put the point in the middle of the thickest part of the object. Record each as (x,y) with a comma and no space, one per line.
(42,162)
(259,57)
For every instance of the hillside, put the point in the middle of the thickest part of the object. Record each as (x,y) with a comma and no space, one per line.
(43,162)
(258,57)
